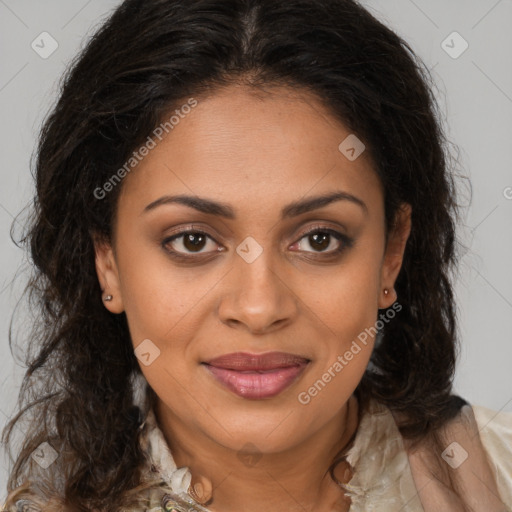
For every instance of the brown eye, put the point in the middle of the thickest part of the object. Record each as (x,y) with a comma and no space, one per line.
(188,242)
(194,241)
(323,241)
(320,241)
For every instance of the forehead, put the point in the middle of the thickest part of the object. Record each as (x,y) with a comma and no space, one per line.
(249,146)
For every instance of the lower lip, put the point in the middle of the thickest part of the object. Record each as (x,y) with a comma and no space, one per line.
(256,385)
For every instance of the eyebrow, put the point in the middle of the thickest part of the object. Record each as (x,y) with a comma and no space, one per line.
(224,210)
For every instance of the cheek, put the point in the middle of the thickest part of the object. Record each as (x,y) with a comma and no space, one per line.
(348,306)
(156,294)
(342,360)
(346,300)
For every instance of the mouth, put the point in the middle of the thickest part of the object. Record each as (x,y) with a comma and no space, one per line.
(257,376)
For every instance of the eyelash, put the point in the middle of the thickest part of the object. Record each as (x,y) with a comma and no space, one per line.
(346,242)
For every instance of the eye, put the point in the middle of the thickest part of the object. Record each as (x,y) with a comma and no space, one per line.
(320,240)
(323,240)
(189,242)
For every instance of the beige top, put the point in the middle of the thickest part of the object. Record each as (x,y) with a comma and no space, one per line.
(386,478)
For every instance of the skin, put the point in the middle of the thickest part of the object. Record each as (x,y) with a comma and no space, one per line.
(257,153)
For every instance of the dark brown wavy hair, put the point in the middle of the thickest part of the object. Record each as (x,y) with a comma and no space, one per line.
(140,64)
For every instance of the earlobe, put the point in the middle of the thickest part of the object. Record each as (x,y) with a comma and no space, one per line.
(393,257)
(108,276)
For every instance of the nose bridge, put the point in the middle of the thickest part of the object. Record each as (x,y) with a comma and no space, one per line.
(257,297)
(257,278)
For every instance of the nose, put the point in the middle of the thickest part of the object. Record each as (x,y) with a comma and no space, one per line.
(256,297)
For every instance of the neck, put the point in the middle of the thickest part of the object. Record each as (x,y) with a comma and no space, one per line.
(295,479)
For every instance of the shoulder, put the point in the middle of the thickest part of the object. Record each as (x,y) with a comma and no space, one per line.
(495,432)
(472,466)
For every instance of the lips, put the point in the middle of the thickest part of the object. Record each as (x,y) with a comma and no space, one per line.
(241,361)
(257,376)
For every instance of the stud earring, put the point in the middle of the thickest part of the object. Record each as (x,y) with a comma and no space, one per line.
(108,298)
(386,292)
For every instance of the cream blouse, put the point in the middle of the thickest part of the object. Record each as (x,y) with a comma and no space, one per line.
(385,478)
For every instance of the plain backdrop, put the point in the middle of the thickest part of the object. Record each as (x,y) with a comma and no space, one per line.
(468,47)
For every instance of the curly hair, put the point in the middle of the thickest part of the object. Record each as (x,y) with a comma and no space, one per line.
(140,64)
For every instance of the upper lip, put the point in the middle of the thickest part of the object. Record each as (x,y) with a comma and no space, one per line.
(242,361)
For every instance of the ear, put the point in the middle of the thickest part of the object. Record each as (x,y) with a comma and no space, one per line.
(393,256)
(108,275)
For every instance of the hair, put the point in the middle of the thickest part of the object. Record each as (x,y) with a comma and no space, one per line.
(144,60)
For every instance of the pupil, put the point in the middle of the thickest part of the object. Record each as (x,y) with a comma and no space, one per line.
(322,243)
(189,239)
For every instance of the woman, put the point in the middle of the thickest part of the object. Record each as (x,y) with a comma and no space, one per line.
(244,233)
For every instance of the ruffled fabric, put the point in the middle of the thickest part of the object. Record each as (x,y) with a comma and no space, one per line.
(382,478)
(386,476)
(174,496)
(156,448)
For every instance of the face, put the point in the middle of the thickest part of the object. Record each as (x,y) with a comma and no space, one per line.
(252,262)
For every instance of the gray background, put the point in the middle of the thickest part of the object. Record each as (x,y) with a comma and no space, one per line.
(475,94)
